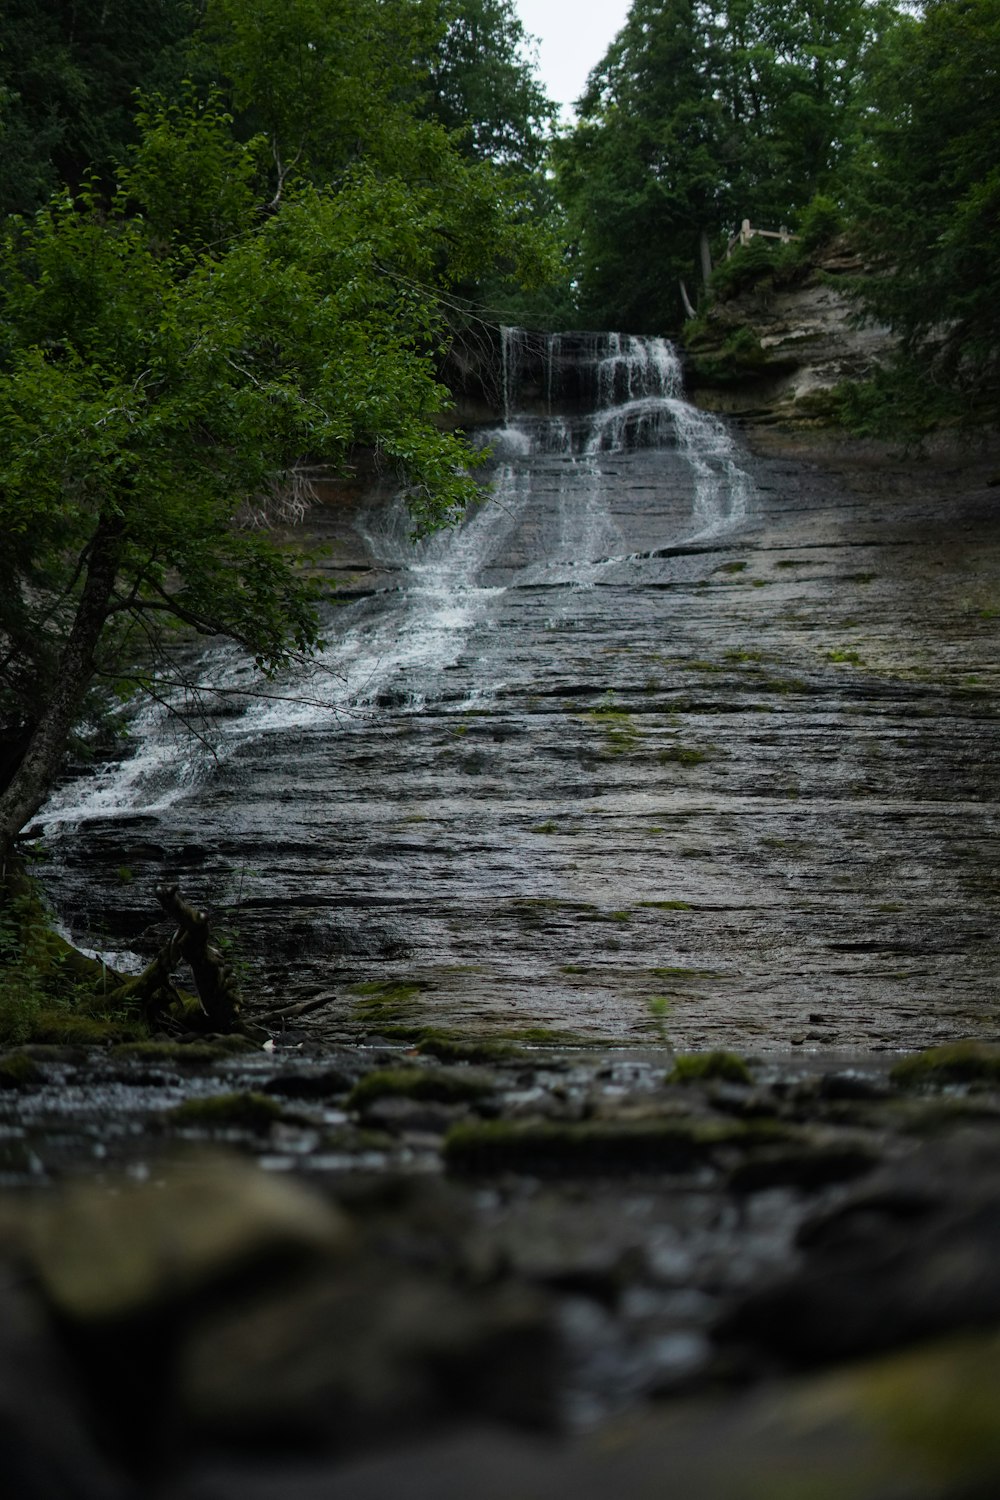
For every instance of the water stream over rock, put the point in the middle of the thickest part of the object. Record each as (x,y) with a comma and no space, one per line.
(667,744)
(647,747)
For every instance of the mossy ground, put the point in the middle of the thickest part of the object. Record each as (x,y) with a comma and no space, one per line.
(50,992)
(193,1053)
(443,1086)
(669,1142)
(18,1070)
(237,1111)
(699,1067)
(957,1062)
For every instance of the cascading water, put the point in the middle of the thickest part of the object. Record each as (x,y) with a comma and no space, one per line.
(605,486)
(549,517)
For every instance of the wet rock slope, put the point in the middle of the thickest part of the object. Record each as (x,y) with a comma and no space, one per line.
(668,738)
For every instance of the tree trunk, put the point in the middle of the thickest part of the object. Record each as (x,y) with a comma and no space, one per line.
(213,980)
(163,1006)
(30,783)
(705,255)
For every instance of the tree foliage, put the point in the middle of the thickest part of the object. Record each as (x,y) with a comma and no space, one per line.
(925,192)
(327,82)
(67,77)
(640,175)
(484,85)
(484,90)
(702,113)
(245,305)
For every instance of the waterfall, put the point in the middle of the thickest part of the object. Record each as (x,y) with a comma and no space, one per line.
(583,415)
(632,399)
(632,387)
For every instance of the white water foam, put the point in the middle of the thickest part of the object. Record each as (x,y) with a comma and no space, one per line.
(723,490)
(397,646)
(639,383)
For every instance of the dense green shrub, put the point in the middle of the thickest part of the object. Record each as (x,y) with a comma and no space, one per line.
(819,223)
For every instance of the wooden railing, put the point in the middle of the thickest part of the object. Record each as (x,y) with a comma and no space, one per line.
(747,232)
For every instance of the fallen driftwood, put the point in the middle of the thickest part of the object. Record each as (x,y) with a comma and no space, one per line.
(216,1006)
(302,1007)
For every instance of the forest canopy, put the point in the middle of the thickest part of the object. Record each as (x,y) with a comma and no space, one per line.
(872,117)
(703,113)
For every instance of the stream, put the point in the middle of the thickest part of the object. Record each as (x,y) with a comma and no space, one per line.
(664,737)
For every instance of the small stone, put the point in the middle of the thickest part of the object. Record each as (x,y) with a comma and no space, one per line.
(852,1086)
(104,1254)
(398,1114)
(19,1071)
(325,1084)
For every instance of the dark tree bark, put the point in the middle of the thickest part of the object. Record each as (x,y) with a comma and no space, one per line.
(28,786)
(213,980)
(163,1005)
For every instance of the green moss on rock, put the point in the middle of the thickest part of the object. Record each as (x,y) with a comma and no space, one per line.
(698,1067)
(108,1260)
(64,1027)
(682,755)
(467,1049)
(547,1036)
(552,1147)
(239,1111)
(200,1053)
(19,1071)
(382,1004)
(444,1086)
(803,1163)
(955,1062)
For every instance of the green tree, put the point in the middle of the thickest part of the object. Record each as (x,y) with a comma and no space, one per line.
(926,191)
(485,86)
(67,76)
(326,82)
(702,113)
(789,73)
(640,174)
(329,84)
(484,89)
(165,372)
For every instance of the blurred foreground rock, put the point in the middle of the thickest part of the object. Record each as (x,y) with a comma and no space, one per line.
(573,1275)
(918,1426)
(216,1304)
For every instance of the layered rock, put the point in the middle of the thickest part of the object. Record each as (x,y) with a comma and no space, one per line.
(775,350)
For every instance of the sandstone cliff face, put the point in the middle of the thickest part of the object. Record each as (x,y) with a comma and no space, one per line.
(775,350)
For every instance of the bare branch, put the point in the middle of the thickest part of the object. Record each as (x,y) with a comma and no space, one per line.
(286,500)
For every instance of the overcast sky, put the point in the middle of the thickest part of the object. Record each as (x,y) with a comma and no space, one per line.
(573,36)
